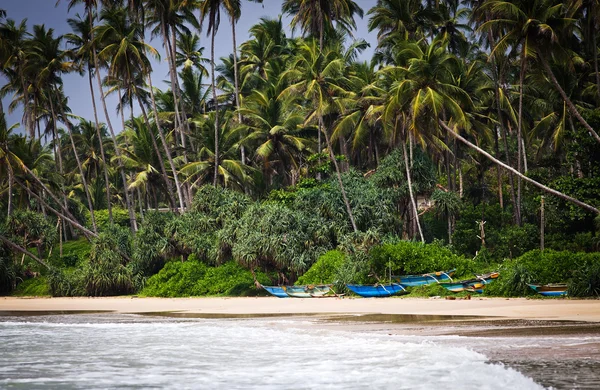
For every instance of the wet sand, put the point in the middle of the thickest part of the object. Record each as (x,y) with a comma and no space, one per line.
(514,308)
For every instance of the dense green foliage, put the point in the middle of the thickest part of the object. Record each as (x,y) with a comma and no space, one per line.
(194,278)
(405,257)
(578,269)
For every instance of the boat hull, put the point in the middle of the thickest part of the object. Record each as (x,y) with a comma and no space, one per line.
(476,285)
(309,291)
(377,291)
(550,290)
(276,291)
(425,279)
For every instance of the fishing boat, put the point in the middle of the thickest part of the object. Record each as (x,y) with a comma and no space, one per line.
(422,280)
(550,290)
(276,291)
(476,285)
(378,290)
(309,291)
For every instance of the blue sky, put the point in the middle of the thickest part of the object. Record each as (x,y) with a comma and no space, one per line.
(77,88)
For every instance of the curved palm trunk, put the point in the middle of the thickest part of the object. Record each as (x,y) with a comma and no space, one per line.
(519,174)
(128,202)
(410,191)
(214,91)
(339,177)
(165,146)
(570,104)
(102,154)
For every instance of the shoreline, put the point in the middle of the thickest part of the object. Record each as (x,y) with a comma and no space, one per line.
(491,308)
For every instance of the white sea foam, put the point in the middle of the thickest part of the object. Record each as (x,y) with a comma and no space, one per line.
(131,352)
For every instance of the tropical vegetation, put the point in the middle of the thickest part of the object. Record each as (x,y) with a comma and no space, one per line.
(469,140)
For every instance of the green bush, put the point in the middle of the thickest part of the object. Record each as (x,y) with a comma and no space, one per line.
(76,252)
(586,282)
(194,278)
(324,270)
(408,257)
(66,283)
(120,218)
(34,287)
(107,272)
(578,269)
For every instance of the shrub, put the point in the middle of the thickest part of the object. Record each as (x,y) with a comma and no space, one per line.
(66,283)
(408,257)
(586,282)
(120,218)
(273,237)
(579,270)
(194,278)
(107,272)
(34,287)
(325,269)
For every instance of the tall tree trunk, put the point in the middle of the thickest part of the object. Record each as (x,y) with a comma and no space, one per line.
(58,156)
(102,154)
(519,134)
(11,176)
(339,177)
(570,104)
(83,180)
(498,169)
(166,146)
(185,129)
(216,102)
(96,121)
(129,206)
(519,174)
(236,84)
(410,190)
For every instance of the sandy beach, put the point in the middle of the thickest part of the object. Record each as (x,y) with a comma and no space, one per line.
(498,308)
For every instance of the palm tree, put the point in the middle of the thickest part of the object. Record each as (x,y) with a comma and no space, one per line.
(318,16)
(318,75)
(13,46)
(230,168)
(211,10)
(48,62)
(275,130)
(82,43)
(537,28)
(169,16)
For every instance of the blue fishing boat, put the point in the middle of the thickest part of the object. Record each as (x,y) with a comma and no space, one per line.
(422,280)
(476,284)
(276,291)
(550,290)
(378,290)
(310,291)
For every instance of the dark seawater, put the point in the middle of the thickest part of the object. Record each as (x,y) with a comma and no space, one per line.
(99,351)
